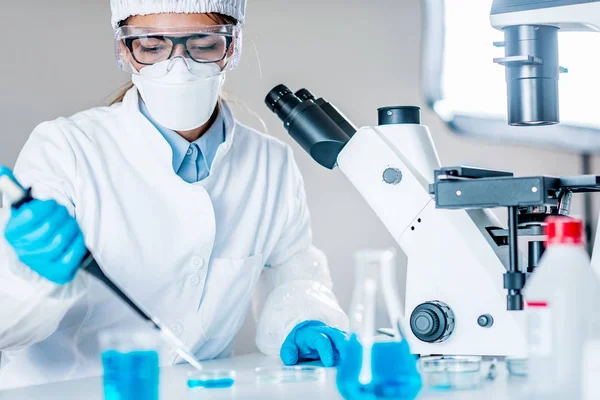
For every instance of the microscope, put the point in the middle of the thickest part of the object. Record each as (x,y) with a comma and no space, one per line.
(466,272)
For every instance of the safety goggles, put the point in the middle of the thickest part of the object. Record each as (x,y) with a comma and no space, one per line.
(139,47)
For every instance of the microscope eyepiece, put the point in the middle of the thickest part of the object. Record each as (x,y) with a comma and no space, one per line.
(315,124)
(281,101)
(304,94)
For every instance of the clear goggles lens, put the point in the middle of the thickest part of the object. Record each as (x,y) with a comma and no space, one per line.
(139,47)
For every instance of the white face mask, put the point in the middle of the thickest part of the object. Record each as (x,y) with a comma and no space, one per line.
(179,99)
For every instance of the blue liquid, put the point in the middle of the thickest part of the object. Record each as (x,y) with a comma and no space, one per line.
(220,383)
(130,376)
(393,368)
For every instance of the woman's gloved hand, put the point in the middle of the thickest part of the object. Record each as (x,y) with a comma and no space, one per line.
(313,340)
(47,239)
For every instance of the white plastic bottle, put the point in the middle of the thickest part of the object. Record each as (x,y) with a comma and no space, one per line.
(560,296)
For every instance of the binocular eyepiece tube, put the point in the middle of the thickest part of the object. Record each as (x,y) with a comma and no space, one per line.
(315,124)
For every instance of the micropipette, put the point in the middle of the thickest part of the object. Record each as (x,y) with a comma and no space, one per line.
(20,196)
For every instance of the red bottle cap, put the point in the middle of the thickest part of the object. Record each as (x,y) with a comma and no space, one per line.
(564,230)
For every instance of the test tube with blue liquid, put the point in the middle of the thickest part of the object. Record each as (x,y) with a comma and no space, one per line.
(372,366)
(131,364)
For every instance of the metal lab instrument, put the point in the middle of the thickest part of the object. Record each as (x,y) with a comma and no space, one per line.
(465,271)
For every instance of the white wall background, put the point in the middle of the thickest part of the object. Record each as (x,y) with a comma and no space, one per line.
(57,59)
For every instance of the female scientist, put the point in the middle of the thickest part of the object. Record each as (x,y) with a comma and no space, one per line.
(185,208)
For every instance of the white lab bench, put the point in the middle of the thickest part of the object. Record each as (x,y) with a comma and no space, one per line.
(173,385)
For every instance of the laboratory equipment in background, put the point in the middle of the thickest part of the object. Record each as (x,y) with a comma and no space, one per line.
(468,91)
(465,271)
(20,196)
(562,302)
(531,32)
(131,366)
(376,366)
(463,86)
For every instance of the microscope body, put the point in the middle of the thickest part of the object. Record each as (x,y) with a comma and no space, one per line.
(454,265)
(465,273)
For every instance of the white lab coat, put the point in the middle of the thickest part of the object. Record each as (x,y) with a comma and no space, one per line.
(191,254)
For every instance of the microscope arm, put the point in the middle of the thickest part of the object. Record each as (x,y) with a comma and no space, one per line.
(391,185)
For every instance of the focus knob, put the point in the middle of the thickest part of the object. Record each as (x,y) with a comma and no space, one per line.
(432,322)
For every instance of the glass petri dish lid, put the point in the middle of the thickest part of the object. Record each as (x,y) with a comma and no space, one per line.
(517,366)
(290,374)
(451,372)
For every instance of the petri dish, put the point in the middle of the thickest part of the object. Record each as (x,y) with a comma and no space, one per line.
(290,374)
(211,379)
(516,366)
(451,372)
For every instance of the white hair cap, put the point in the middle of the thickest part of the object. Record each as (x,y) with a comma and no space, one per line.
(123,9)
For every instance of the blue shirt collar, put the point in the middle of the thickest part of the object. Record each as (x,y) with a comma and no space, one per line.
(208,143)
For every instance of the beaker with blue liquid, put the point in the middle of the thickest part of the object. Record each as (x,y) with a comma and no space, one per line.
(376,366)
(131,365)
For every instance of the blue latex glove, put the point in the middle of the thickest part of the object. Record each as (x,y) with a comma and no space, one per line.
(313,340)
(47,239)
